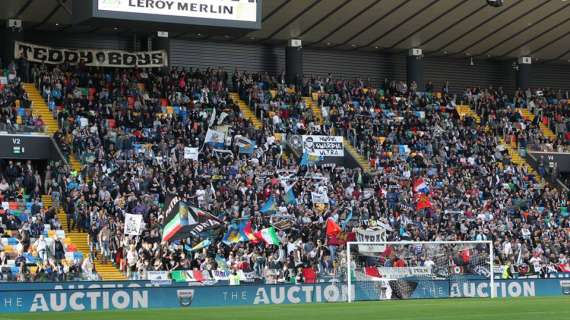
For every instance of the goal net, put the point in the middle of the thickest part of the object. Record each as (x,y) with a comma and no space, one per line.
(416,270)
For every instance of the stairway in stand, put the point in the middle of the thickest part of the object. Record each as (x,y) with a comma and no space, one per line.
(246,110)
(40,108)
(317,113)
(518,160)
(78,239)
(465,110)
(362,162)
(107,271)
(544,129)
(512,151)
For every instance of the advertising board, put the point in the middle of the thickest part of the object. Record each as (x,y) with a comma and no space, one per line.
(41,297)
(244,14)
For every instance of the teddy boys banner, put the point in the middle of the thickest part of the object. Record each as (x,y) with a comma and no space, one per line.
(90,57)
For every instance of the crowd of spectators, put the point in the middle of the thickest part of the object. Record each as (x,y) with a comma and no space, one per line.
(476,192)
(34,245)
(15,106)
(129,129)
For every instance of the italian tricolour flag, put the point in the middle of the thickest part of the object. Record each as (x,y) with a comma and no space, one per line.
(171,228)
(268,235)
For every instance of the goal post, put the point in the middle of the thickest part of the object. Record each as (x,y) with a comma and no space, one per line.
(414,270)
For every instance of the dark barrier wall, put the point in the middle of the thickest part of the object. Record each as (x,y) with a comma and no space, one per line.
(133,295)
(294,65)
(27,147)
(349,64)
(415,71)
(562,160)
(7,39)
(523,75)
(371,66)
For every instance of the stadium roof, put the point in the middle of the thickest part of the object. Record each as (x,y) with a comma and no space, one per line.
(537,28)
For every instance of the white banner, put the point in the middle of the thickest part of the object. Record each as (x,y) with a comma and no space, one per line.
(319,197)
(374,234)
(157,275)
(326,146)
(235,10)
(215,137)
(133,224)
(398,273)
(90,57)
(191,153)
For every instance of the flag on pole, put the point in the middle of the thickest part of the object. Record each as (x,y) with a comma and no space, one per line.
(423,202)
(247,232)
(269,236)
(308,159)
(203,244)
(420,186)
(269,206)
(216,138)
(289,196)
(233,235)
(333,228)
(245,145)
(181,218)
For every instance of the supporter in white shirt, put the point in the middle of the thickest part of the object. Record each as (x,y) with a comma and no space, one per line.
(536,262)
(507,248)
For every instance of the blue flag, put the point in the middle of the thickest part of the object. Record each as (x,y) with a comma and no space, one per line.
(290,196)
(233,235)
(308,160)
(269,206)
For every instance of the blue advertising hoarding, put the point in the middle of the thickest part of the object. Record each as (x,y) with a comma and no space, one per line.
(47,297)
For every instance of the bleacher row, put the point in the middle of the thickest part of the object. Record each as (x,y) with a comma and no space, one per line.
(13,248)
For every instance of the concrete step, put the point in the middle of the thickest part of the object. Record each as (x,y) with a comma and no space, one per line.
(362,162)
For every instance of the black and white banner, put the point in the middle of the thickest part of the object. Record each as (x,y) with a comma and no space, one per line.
(326,146)
(374,234)
(133,224)
(90,57)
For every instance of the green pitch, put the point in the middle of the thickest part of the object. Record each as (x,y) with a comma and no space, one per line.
(463,309)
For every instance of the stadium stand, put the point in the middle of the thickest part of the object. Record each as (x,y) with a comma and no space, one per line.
(125,132)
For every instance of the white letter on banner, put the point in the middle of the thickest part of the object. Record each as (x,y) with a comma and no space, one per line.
(140,299)
(261,297)
(514,289)
(331,293)
(93,295)
(73,301)
(454,291)
(480,292)
(308,294)
(277,298)
(39,303)
(53,301)
(292,295)
(120,300)
(469,289)
(105,300)
(528,289)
